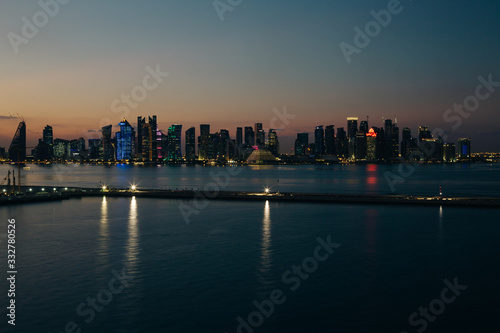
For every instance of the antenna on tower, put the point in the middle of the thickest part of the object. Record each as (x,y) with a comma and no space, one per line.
(395,120)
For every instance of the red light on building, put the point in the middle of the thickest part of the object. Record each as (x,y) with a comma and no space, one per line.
(371,133)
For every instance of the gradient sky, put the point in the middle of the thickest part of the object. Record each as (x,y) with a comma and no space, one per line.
(264,55)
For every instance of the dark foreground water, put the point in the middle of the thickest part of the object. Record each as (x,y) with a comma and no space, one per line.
(386,263)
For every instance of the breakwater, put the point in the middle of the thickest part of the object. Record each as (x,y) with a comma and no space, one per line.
(33,195)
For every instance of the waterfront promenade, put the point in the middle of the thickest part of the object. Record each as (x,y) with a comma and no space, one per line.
(43,194)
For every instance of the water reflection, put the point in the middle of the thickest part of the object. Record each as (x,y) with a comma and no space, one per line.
(265,256)
(133,237)
(440,221)
(103,242)
(372,177)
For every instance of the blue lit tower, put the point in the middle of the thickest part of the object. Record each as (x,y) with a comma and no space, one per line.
(125,141)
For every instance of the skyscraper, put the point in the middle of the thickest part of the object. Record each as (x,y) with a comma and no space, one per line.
(48,135)
(301,144)
(371,145)
(224,144)
(449,153)
(406,142)
(342,143)
(94,145)
(174,149)
(360,152)
(352,127)
(249,136)
(319,142)
(239,136)
(423,133)
(107,146)
(17,150)
(203,142)
(140,125)
(155,138)
(272,142)
(191,144)
(147,142)
(330,140)
(363,126)
(464,150)
(260,135)
(125,141)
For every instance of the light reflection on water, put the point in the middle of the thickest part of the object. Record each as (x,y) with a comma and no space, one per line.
(132,249)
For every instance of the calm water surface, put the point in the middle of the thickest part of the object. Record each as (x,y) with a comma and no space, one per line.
(457,179)
(203,276)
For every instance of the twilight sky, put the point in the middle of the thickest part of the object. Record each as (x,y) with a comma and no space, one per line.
(264,55)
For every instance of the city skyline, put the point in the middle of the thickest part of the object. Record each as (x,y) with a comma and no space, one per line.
(229,73)
(357,142)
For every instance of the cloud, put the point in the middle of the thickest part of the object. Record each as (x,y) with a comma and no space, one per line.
(9,117)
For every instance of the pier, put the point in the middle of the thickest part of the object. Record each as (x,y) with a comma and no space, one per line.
(45,194)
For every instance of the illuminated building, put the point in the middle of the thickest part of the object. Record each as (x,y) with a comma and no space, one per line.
(464,150)
(174,149)
(423,133)
(147,143)
(125,141)
(449,152)
(272,142)
(371,145)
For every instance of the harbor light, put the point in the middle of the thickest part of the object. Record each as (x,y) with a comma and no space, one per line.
(55,189)
(65,188)
(266,190)
(133,187)
(43,189)
(104,187)
(31,190)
